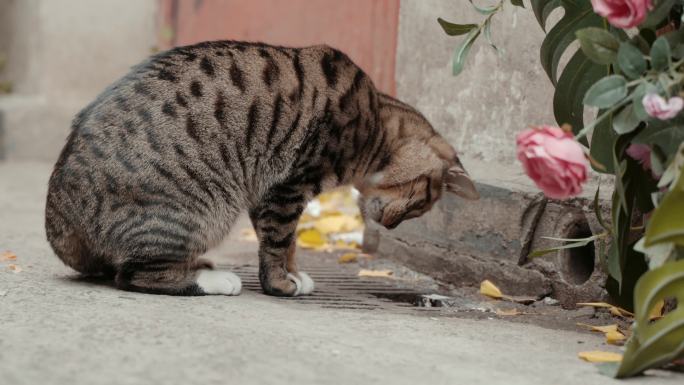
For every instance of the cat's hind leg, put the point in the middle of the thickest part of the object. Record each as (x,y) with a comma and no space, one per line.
(171,277)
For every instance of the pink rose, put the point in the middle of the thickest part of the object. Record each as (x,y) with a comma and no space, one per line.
(623,13)
(640,153)
(553,160)
(657,107)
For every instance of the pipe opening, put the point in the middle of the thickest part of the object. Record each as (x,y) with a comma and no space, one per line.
(578,262)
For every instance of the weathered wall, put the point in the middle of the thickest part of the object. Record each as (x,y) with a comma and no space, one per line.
(495,97)
(61,54)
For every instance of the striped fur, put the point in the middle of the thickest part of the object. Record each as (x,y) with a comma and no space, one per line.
(156,169)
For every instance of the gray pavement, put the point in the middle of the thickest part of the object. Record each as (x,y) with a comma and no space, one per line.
(56,329)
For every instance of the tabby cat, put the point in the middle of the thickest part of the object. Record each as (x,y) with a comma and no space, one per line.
(156,170)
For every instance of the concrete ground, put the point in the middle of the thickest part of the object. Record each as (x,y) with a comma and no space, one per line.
(57,329)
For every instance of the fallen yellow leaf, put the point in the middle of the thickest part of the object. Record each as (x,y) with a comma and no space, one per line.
(14,268)
(311,239)
(337,223)
(342,245)
(615,338)
(509,312)
(347,258)
(599,356)
(375,273)
(602,329)
(657,310)
(8,256)
(490,290)
(614,310)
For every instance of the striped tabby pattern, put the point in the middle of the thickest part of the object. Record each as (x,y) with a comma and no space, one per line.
(156,169)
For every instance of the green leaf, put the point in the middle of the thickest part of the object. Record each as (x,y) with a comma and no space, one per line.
(654,344)
(606,92)
(602,144)
(659,13)
(488,10)
(598,44)
(638,97)
(452,29)
(597,211)
(660,54)
(614,268)
(518,3)
(462,50)
(539,253)
(631,61)
(626,121)
(543,8)
(578,15)
(667,222)
(579,75)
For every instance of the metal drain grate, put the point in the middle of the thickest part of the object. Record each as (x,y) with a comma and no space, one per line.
(341,289)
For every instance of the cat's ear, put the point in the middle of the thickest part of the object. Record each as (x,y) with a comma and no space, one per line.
(458,182)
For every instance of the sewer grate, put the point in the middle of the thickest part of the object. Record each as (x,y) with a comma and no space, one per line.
(339,288)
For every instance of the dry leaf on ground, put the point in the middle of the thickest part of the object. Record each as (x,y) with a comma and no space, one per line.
(375,273)
(614,310)
(657,311)
(602,329)
(599,356)
(347,258)
(612,333)
(14,268)
(8,256)
(615,338)
(490,290)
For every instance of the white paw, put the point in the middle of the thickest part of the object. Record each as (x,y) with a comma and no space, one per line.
(305,285)
(219,282)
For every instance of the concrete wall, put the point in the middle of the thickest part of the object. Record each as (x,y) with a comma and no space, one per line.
(61,54)
(495,97)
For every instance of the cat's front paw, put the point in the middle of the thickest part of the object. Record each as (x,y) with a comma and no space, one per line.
(219,282)
(304,283)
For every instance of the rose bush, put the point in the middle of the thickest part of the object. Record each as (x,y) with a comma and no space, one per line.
(553,160)
(630,71)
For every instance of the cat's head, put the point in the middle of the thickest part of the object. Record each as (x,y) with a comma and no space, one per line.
(416,171)
(412,181)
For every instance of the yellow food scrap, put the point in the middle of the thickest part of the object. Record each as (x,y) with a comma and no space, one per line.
(311,239)
(375,273)
(348,258)
(599,356)
(330,224)
(490,290)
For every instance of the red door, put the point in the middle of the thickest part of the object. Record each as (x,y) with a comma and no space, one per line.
(364,29)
